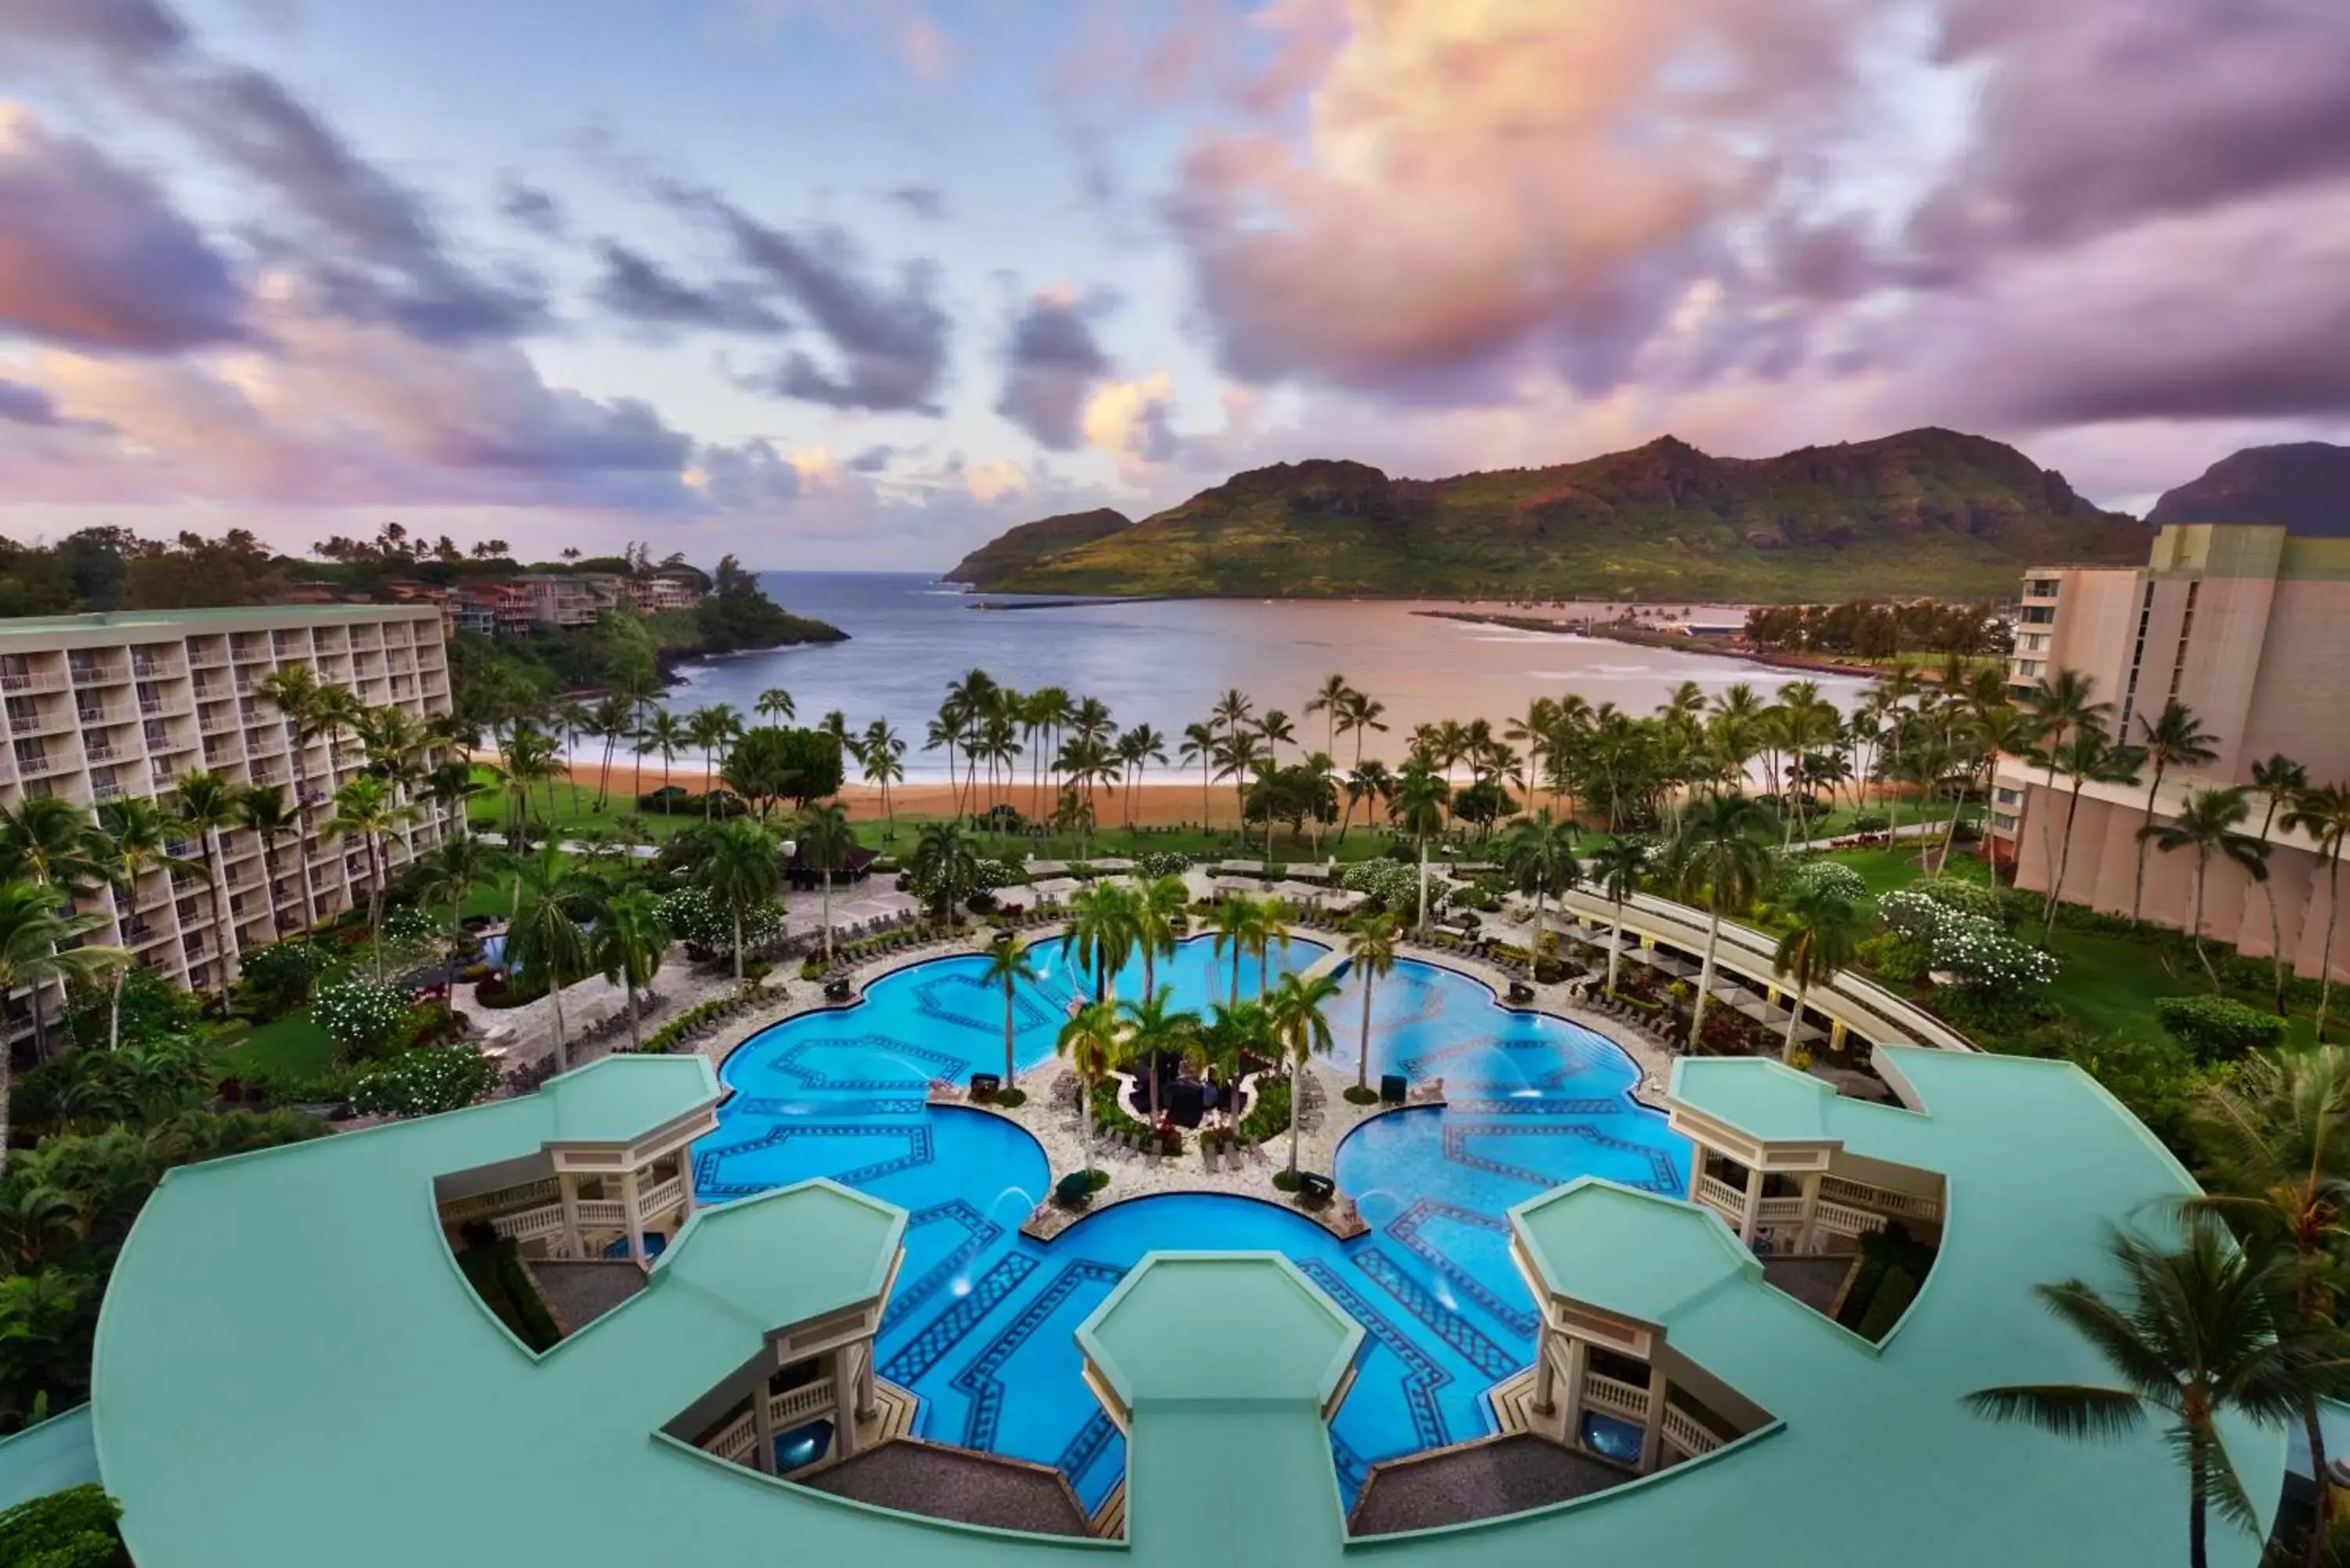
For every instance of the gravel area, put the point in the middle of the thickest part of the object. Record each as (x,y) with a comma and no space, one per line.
(918,1476)
(1477,1480)
(1817,1283)
(580,1293)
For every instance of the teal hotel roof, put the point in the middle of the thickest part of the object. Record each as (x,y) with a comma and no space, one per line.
(292,1371)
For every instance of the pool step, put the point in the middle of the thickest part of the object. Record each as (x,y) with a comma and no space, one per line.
(1330,964)
(1109,1519)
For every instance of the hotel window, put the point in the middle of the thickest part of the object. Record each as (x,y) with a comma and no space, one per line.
(2185,630)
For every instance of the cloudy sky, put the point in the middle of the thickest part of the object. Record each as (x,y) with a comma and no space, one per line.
(844,282)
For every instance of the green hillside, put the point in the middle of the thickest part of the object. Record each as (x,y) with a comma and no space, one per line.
(1926,512)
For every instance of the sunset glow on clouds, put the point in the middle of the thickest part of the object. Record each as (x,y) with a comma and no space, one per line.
(860,284)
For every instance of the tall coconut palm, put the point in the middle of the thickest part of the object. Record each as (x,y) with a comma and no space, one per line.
(2089,756)
(1102,933)
(2208,824)
(1329,700)
(945,867)
(882,752)
(1268,927)
(775,703)
(826,841)
(2063,704)
(36,934)
(1151,1030)
(742,870)
(132,838)
(1539,855)
(1371,949)
(2323,812)
(627,946)
(545,939)
(664,736)
(1420,798)
(2193,1338)
(1137,750)
(1198,745)
(207,803)
(1090,1040)
(293,691)
(1159,904)
(451,787)
(1718,856)
(1824,931)
(450,874)
(2173,739)
(364,808)
(612,721)
(1619,865)
(1361,716)
(1008,969)
(1231,921)
(262,811)
(2279,780)
(2277,1135)
(1301,1029)
(530,758)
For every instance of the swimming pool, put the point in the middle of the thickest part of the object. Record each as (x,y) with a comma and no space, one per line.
(982,1322)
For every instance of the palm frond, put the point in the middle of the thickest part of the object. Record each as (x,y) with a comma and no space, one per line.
(2078,1410)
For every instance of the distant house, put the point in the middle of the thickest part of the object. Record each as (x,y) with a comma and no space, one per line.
(854,867)
(558,601)
(666,591)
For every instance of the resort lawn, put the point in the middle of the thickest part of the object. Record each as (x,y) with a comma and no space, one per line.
(1114,839)
(282,1050)
(573,807)
(1891,869)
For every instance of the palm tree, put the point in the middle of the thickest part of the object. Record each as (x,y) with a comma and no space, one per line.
(1329,700)
(1268,925)
(1090,1039)
(613,721)
(1302,1030)
(450,874)
(2175,738)
(826,843)
(545,939)
(1371,946)
(364,807)
(1151,1030)
(2279,780)
(1420,797)
(449,786)
(741,871)
(1360,716)
(882,752)
(2088,757)
(208,805)
(1539,855)
(2323,812)
(1233,710)
(2194,1338)
(295,692)
(1008,967)
(1231,923)
(35,931)
(1102,931)
(1157,904)
(1719,855)
(262,811)
(48,840)
(627,946)
(132,838)
(1823,933)
(775,703)
(1199,746)
(946,865)
(664,736)
(2207,824)
(530,758)
(1136,749)
(2274,1135)
(1274,728)
(2063,704)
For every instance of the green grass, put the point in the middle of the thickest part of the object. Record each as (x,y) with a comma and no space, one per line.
(1115,840)
(567,807)
(282,1050)
(1890,869)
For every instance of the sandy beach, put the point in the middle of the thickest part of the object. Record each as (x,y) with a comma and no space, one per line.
(1155,804)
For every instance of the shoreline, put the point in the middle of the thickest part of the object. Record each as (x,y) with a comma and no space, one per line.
(1799,663)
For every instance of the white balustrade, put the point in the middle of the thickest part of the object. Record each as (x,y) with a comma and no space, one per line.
(661,1197)
(736,1440)
(1883,1199)
(1686,1433)
(800,1406)
(1843,1220)
(1780,1210)
(603,1212)
(1615,1397)
(531,1223)
(458,1210)
(1716,1193)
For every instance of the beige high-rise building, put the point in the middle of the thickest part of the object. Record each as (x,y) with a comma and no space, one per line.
(101,706)
(2249,627)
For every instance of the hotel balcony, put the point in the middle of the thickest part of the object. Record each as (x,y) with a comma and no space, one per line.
(39,723)
(105,752)
(33,680)
(156,669)
(207,658)
(43,764)
(219,723)
(106,789)
(100,674)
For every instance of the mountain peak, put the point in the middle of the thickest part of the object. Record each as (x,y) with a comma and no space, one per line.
(2304,485)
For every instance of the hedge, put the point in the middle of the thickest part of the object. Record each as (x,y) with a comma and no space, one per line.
(2218,1028)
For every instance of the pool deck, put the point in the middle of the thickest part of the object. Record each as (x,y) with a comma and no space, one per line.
(915,1475)
(1480,1479)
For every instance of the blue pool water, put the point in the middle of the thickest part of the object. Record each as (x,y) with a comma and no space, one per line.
(983,1319)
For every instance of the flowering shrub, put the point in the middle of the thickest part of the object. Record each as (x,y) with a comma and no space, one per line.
(1973,948)
(1162,863)
(422,1083)
(360,1016)
(1833,878)
(705,928)
(410,924)
(278,978)
(989,875)
(1389,883)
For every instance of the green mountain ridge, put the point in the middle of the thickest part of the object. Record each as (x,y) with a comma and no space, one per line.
(2304,485)
(1926,512)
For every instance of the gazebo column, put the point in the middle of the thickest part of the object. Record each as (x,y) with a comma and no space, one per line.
(867,1401)
(632,1215)
(1836,1033)
(844,1401)
(1578,1360)
(1809,1213)
(566,1185)
(1652,1431)
(1753,1204)
(1545,1375)
(762,1423)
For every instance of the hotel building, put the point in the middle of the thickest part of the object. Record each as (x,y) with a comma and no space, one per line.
(2249,627)
(103,706)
